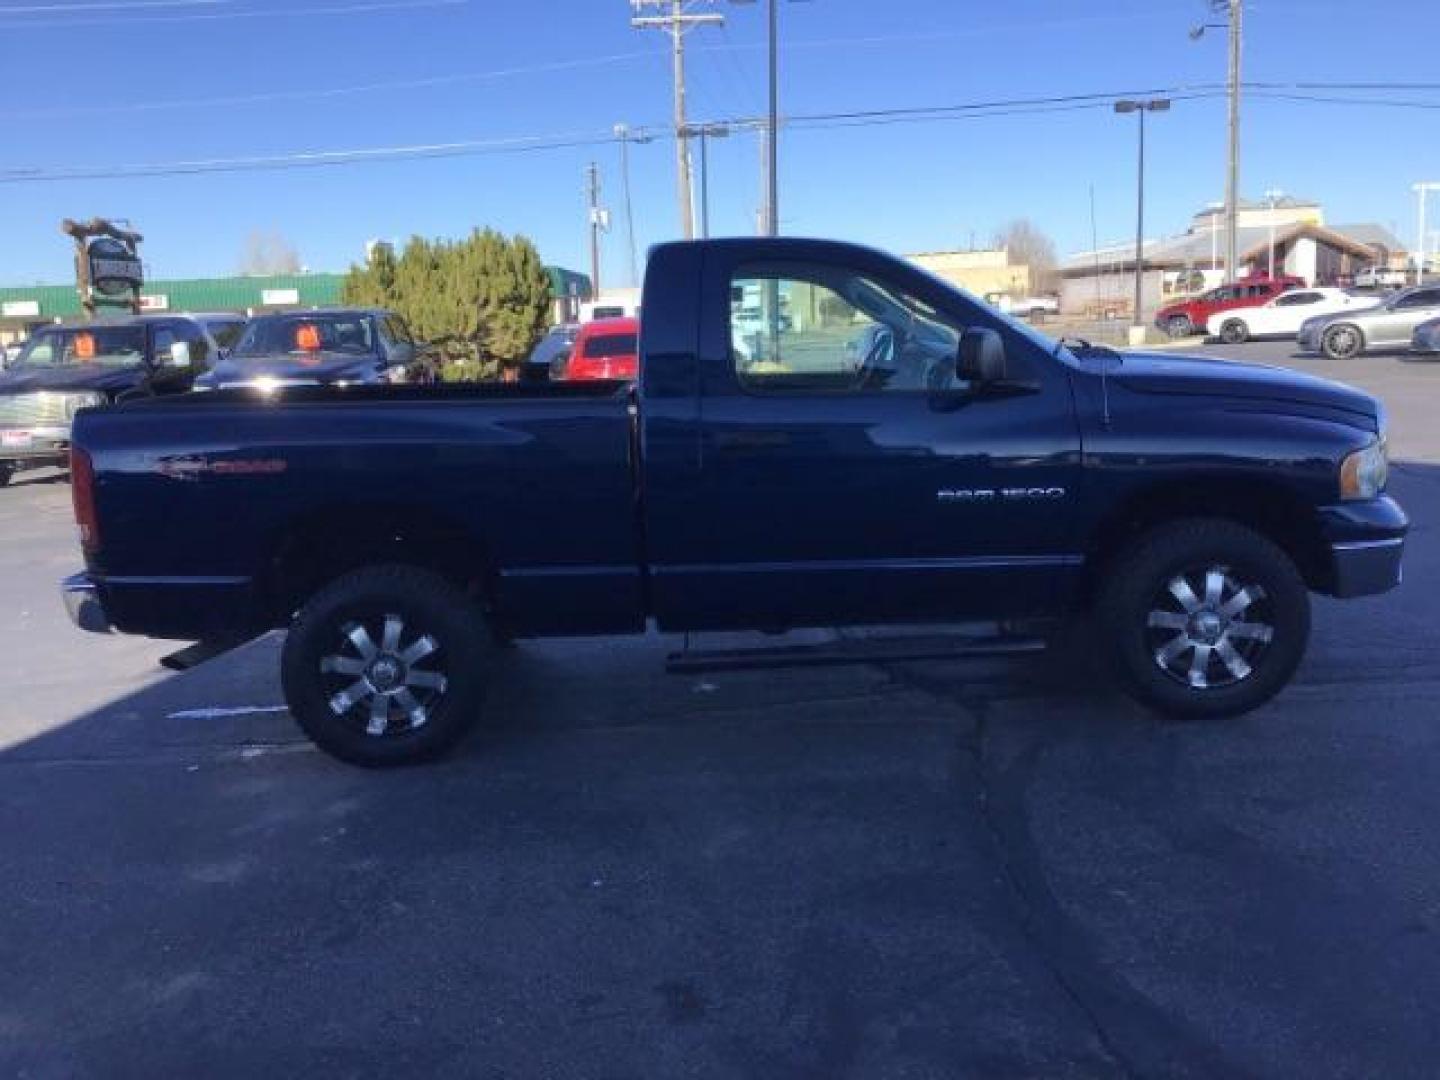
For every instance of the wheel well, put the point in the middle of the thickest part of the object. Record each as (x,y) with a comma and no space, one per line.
(1269,509)
(325,545)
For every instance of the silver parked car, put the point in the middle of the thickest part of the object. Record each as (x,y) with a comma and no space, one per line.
(1388,325)
(1426,338)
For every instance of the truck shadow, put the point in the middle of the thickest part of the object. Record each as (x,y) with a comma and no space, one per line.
(765,873)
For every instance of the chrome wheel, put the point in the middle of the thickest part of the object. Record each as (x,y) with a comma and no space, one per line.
(1179,327)
(1342,342)
(385,686)
(1208,629)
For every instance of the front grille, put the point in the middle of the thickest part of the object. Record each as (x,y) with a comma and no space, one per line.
(43,409)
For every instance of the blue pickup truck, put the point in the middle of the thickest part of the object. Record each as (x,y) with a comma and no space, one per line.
(882,450)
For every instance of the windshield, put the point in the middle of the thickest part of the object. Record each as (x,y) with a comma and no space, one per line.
(226,334)
(306,333)
(109,346)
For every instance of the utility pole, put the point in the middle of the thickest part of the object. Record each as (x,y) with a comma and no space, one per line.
(1234,10)
(1232,181)
(772,161)
(596,220)
(677,22)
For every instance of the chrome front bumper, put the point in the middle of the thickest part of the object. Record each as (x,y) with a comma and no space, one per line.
(82,604)
(39,443)
(1367,567)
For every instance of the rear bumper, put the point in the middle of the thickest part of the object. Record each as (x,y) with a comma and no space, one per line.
(173,608)
(83,604)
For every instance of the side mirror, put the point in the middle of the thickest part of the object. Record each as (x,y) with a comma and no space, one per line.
(982,356)
(179,355)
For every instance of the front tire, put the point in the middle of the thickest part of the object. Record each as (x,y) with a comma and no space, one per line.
(1342,342)
(1234,332)
(1204,618)
(386,666)
(1179,326)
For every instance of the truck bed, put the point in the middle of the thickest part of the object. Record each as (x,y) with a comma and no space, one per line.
(253,494)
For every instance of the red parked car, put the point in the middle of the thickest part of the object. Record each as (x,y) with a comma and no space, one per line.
(1188,317)
(604,349)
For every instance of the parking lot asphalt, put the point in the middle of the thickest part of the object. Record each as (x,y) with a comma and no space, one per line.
(919,870)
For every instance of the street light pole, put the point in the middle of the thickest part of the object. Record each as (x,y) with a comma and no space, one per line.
(1273,196)
(706,132)
(1422,189)
(1137,329)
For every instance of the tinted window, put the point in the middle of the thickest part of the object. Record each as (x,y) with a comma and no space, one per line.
(110,345)
(609,345)
(1420,298)
(1295,299)
(313,332)
(824,328)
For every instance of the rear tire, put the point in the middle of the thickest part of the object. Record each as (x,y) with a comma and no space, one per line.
(1204,618)
(386,666)
(1234,332)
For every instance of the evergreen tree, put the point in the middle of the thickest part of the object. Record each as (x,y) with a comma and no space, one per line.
(482,301)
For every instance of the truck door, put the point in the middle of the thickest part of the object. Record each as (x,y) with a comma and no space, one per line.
(847,472)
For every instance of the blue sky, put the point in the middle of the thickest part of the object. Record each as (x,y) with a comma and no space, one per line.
(508,68)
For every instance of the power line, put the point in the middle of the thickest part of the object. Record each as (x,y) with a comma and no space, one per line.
(333,92)
(107,5)
(534,143)
(373,6)
(311,159)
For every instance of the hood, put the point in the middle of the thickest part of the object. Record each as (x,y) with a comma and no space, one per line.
(319,367)
(31,378)
(1162,373)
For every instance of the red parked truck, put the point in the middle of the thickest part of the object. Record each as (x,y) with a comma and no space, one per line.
(1186,317)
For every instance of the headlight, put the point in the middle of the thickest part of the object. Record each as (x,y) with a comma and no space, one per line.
(75,402)
(1363,474)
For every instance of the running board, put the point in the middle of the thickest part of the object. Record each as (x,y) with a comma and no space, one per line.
(851,651)
(195,655)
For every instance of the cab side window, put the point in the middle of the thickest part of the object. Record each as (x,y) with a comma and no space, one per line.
(826,329)
(168,334)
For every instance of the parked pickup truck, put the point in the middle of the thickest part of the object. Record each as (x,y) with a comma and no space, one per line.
(63,369)
(963,469)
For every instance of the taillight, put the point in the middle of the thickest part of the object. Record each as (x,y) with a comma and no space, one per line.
(82,492)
